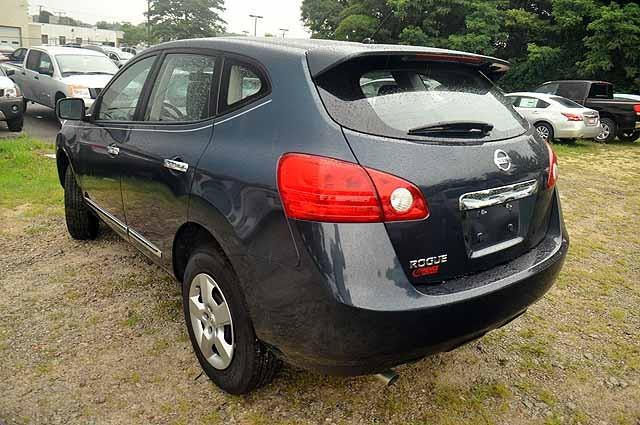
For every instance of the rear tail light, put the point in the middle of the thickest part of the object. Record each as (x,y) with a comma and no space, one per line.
(572,117)
(637,109)
(553,168)
(318,188)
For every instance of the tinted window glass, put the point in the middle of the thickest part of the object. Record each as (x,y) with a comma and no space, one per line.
(243,83)
(604,91)
(121,98)
(33,60)
(19,54)
(551,88)
(571,90)
(389,96)
(181,91)
(567,103)
(45,65)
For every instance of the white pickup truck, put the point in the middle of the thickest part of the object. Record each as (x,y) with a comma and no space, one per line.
(49,74)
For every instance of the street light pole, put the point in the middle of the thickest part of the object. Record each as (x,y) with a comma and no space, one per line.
(255,24)
(284,30)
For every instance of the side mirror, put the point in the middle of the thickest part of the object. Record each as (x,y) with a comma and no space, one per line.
(10,72)
(70,108)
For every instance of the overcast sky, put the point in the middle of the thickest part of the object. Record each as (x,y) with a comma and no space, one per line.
(277,13)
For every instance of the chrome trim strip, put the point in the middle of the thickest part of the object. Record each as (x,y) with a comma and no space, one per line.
(244,112)
(140,239)
(498,195)
(106,214)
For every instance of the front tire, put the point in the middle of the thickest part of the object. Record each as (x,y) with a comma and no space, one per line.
(16,124)
(629,137)
(609,130)
(219,326)
(82,223)
(545,131)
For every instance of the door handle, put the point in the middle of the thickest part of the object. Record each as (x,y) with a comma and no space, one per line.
(176,165)
(113,150)
(36,77)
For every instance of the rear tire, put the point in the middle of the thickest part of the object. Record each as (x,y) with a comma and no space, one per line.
(545,131)
(609,130)
(16,124)
(82,223)
(629,137)
(250,363)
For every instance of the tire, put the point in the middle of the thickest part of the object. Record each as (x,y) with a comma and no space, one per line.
(16,124)
(609,130)
(249,364)
(82,223)
(629,137)
(545,131)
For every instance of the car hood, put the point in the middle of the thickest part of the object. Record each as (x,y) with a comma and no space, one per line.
(5,83)
(91,81)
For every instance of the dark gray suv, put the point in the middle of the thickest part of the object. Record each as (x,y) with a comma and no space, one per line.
(339,206)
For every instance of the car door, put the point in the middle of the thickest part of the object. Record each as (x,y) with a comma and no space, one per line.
(44,85)
(30,75)
(100,166)
(161,153)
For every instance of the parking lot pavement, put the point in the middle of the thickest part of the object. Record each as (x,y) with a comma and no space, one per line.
(40,123)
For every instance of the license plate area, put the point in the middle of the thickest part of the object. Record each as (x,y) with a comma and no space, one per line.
(496,227)
(592,121)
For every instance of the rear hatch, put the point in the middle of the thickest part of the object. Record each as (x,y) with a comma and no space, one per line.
(441,124)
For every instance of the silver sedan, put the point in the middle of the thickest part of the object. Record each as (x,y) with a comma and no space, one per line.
(556,117)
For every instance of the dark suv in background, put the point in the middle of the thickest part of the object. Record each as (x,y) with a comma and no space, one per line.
(314,216)
(618,117)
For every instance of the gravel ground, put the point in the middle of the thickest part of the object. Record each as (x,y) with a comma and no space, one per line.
(93,333)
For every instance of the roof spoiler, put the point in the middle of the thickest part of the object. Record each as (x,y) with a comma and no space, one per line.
(322,60)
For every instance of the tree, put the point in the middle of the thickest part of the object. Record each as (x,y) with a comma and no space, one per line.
(179,19)
(543,39)
(133,34)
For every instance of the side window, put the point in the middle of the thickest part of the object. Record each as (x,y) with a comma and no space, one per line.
(45,66)
(121,98)
(542,104)
(33,60)
(528,102)
(571,90)
(551,88)
(19,54)
(243,83)
(181,91)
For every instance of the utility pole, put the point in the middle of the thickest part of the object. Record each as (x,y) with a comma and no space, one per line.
(148,23)
(284,30)
(255,24)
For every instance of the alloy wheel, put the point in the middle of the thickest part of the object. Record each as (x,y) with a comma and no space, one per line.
(543,131)
(604,133)
(211,321)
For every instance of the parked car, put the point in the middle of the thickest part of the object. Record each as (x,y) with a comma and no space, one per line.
(130,50)
(16,57)
(624,96)
(307,221)
(10,102)
(116,55)
(52,73)
(556,117)
(5,53)
(618,117)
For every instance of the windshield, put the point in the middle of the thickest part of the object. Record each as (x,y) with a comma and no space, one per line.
(85,64)
(566,102)
(389,97)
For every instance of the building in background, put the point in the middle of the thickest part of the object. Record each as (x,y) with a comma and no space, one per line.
(18,29)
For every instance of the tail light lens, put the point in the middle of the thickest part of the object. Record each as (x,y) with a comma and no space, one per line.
(637,109)
(553,168)
(572,117)
(317,188)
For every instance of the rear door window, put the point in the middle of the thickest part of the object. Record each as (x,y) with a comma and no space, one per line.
(182,89)
(572,90)
(389,96)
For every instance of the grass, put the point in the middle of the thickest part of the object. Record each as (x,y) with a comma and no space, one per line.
(106,316)
(27,177)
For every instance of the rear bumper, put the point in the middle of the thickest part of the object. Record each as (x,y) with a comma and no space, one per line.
(10,108)
(347,311)
(577,130)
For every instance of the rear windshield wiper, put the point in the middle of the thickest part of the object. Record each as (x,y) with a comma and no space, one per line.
(453,128)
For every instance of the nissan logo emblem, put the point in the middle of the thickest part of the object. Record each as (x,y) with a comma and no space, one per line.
(502,160)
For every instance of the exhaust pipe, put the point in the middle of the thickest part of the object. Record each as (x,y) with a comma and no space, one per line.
(388,377)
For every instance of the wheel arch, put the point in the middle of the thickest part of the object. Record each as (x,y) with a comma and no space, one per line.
(62,162)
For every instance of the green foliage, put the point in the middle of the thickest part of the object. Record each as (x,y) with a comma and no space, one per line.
(180,19)
(544,39)
(134,34)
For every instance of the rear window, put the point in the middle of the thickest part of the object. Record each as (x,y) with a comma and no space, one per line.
(566,102)
(388,96)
